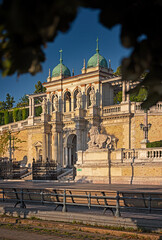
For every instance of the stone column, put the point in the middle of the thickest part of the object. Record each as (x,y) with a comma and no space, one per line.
(60,148)
(30,107)
(128,87)
(66,157)
(44,147)
(55,146)
(79,139)
(32,100)
(123,91)
(69,163)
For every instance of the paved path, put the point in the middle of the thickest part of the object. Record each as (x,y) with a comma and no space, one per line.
(80,186)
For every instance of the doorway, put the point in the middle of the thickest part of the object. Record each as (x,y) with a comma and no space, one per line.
(71,150)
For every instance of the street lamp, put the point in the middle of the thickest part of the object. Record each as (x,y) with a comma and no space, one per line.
(146,126)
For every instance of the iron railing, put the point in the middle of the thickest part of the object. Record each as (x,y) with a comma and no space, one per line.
(113,201)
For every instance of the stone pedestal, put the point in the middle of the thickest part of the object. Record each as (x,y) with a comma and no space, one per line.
(80,112)
(94,110)
(143,143)
(56,116)
(93,166)
(31,120)
(43,117)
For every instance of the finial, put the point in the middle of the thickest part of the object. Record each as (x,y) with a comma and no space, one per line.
(84,64)
(73,72)
(109,64)
(97,49)
(49,75)
(60,55)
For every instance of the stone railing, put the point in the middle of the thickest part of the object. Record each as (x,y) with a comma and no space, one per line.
(136,108)
(137,155)
(113,109)
(154,153)
(130,154)
(37,120)
(20,124)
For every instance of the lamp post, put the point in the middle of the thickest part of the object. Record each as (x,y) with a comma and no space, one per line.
(11,148)
(145,127)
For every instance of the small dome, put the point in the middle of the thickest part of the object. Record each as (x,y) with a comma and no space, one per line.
(57,71)
(93,61)
(61,69)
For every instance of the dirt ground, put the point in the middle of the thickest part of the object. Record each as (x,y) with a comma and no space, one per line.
(24,229)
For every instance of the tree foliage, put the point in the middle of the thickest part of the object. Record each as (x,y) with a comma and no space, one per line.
(23,101)
(23,37)
(4,141)
(4,137)
(39,87)
(140,97)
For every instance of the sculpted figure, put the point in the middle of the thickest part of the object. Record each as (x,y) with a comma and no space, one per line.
(55,103)
(44,105)
(92,96)
(79,99)
(98,140)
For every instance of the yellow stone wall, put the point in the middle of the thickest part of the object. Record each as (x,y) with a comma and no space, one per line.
(28,137)
(21,149)
(121,128)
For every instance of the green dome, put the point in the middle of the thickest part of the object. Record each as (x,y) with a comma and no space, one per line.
(92,62)
(57,70)
(61,69)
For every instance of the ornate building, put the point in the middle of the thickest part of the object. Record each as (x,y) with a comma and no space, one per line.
(72,105)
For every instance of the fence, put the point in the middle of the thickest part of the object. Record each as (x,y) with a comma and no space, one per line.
(113,201)
(45,170)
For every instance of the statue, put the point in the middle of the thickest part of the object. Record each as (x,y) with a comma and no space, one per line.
(55,103)
(92,96)
(79,99)
(44,105)
(98,140)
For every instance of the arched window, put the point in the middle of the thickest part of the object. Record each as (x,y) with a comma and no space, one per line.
(67,102)
(75,99)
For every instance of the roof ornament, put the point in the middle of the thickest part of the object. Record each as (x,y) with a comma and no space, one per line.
(73,72)
(49,75)
(61,61)
(109,64)
(97,51)
(60,55)
(84,64)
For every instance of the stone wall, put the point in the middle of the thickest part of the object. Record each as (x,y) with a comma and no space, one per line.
(127,129)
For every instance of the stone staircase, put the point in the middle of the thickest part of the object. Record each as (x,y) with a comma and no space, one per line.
(66,176)
(27,176)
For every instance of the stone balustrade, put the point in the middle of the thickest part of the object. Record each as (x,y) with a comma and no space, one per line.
(16,126)
(113,109)
(154,154)
(136,108)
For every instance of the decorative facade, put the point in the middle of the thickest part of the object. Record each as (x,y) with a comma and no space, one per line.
(74,105)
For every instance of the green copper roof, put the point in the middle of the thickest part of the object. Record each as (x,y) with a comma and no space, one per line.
(61,69)
(93,61)
(97,58)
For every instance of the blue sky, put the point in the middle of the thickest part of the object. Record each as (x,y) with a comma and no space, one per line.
(78,43)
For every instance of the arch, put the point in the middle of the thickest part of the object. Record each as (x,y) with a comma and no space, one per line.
(71,150)
(67,101)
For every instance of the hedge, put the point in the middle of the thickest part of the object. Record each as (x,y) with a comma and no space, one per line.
(6,117)
(13,116)
(38,111)
(154,144)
